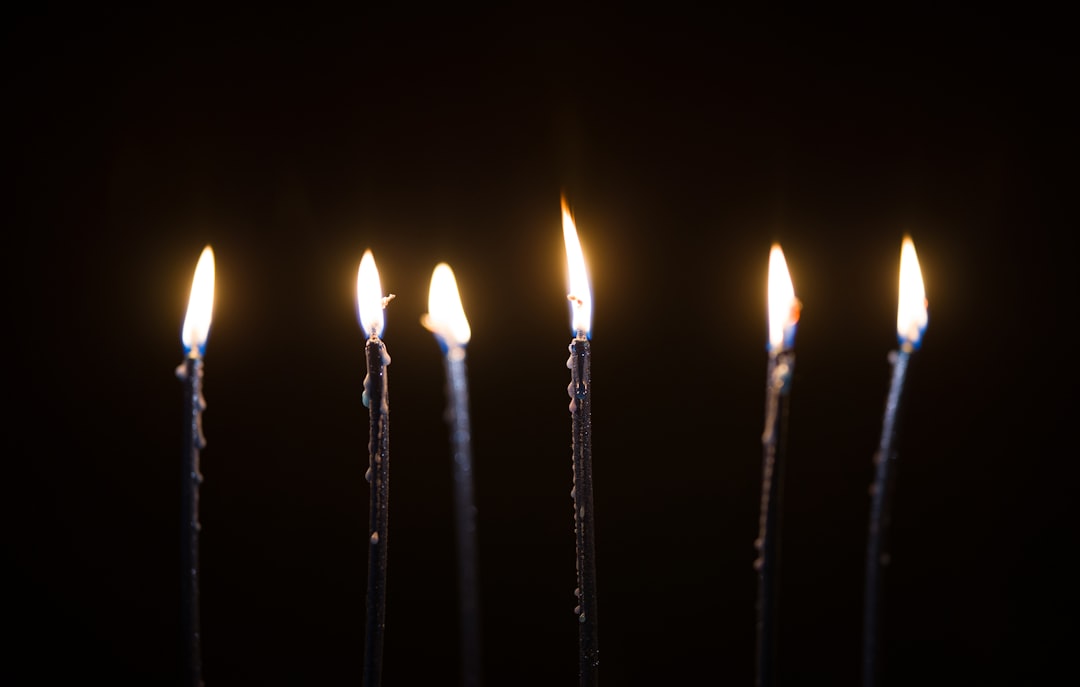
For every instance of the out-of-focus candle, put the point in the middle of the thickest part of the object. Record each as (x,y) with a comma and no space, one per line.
(911,314)
(784,311)
(911,320)
(783,306)
(446,319)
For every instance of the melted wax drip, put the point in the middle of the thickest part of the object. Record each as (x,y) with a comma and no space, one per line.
(366,397)
(181,374)
(577,391)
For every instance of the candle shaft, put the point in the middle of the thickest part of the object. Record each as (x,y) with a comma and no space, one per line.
(778,379)
(378,474)
(580,391)
(464,515)
(191,374)
(880,505)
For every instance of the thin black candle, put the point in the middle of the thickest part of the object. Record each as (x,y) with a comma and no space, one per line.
(446,319)
(783,315)
(195,330)
(911,322)
(580,391)
(370,303)
(190,373)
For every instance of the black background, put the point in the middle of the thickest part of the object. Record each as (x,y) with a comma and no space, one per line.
(293,142)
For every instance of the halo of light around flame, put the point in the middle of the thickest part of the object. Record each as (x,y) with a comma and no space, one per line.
(446,316)
(783,307)
(200,308)
(911,315)
(580,294)
(369,296)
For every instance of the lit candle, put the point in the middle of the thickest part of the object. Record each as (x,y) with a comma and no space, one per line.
(580,391)
(446,319)
(370,304)
(783,316)
(193,336)
(911,318)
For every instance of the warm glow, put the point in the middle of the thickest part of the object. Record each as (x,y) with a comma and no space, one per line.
(446,317)
(783,306)
(580,295)
(911,313)
(200,305)
(369,296)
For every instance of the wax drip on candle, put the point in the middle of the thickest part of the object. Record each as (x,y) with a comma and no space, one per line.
(368,382)
(182,375)
(780,380)
(577,389)
(369,292)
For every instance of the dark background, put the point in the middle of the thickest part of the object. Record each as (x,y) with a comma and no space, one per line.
(293,142)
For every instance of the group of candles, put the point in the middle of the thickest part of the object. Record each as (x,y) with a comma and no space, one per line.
(446,320)
(784,307)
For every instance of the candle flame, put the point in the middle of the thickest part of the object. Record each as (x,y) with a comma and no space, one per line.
(369,297)
(783,306)
(446,317)
(200,306)
(580,294)
(911,316)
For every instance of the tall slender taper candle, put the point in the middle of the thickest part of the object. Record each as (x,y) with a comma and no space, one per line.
(446,319)
(194,335)
(783,316)
(370,303)
(911,319)
(580,390)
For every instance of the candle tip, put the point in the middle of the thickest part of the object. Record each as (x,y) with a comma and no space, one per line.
(446,315)
(370,301)
(784,307)
(200,310)
(580,295)
(911,310)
